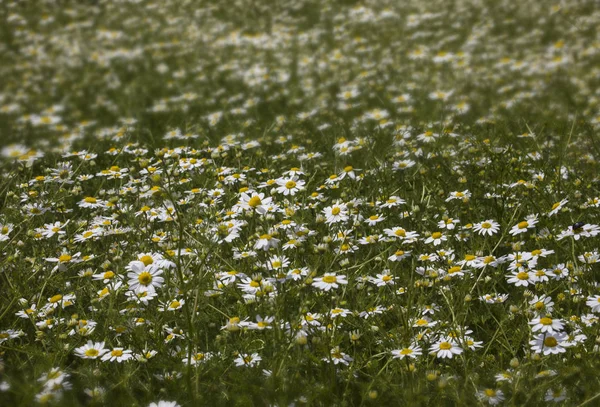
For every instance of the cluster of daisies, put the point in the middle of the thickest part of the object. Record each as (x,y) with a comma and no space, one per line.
(318,202)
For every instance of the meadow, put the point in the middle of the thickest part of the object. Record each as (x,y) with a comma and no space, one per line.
(299,202)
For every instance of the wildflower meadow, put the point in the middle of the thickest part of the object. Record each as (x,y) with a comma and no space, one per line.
(299,202)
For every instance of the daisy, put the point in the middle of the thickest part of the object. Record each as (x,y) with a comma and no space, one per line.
(247,360)
(521,278)
(91,350)
(550,343)
(436,238)
(594,303)
(445,348)
(339,312)
(399,255)
(262,323)
(491,396)
(338,357)
(172,305)
(5,231)
(144,278)
(392,202)
(557,207)
(383,279)
(256,202)
(373,220)
(265,242)
(289,186)
(411,352)
(487,227)
(164,404)
(556,395)
(401,234)
(117,355)
(546,324)
(329,281)
(522,227)
(92,203)
(464,196)
(335,213)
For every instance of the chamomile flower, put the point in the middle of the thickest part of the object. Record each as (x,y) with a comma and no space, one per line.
(412,352)
(550,344)
(329,281)
(91,350)
(488,227)
(445,348)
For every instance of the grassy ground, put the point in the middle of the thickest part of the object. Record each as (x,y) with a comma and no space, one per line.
(299,202)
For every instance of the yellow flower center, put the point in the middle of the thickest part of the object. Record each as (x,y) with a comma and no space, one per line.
(335,211)
(290,184)
(546,321)
(56,298)
(406,351)
(254,201)
(147,260)
(329,279)
(436,235)
(445,345)
(90,199)
(490,392)
(145,278)
(523,225)
(64,258)
(550,342)
(522,275)
(116,352)
(108,274)
(174,304)
(91,353)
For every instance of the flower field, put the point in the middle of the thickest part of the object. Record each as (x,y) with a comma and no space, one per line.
(288,203)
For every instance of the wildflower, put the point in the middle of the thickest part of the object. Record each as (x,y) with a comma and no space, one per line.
(522,227)
(335,214)
(557,207)
(550,343)
(91,350)
(492,396)
(247,360)
(117,355)
(289,186)
(338,357)
(487,227)
(329,281)
(144,277)
(436,238)
(411,352)
(593,302)
(445,348)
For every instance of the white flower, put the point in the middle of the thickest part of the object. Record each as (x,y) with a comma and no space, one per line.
(329,281)
(487,227)
(247,360)
(289,186)
(144,278)
(445,348)
(546,325)
(522,227)
(411,352)
(91,350)
(594,303)
(550,343)
(117,355)
(335,213)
